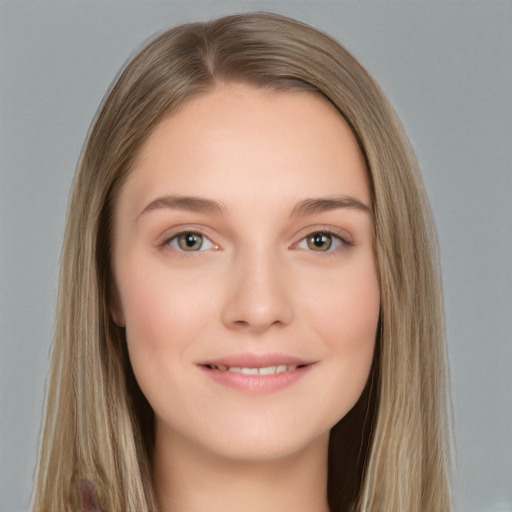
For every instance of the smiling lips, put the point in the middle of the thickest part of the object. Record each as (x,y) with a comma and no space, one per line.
(257,373)
(267,370)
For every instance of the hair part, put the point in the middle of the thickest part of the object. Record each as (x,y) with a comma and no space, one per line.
(390,452)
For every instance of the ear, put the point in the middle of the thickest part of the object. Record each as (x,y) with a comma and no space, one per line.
(115,307)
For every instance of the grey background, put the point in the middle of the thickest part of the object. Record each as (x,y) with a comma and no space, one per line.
(446,66)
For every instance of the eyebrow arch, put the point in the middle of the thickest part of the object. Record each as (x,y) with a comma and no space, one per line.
(303,208)
(190,203)
(322,204)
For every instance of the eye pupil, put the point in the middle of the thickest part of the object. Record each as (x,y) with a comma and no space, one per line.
(320,242)
(190,241)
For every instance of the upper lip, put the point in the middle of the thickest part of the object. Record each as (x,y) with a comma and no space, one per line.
(253,360)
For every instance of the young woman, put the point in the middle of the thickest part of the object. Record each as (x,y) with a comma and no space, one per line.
(250,314)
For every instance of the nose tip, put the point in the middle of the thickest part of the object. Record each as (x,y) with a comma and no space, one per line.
(259,298)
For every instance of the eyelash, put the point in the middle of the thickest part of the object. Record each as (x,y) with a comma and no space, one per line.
(337,240)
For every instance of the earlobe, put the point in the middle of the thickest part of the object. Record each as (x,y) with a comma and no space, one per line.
(116,311)
(118,319)
(117,316)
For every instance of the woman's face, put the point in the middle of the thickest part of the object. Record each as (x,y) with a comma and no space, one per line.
(245,272)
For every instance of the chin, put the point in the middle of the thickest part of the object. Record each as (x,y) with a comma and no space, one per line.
(266,448)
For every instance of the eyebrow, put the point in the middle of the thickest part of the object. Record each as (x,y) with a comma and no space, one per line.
(189,203)
(322,204)
(301,209)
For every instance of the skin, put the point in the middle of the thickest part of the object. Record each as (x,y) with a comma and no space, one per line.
(258,285)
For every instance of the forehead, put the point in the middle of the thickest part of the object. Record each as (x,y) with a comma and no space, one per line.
(238,141)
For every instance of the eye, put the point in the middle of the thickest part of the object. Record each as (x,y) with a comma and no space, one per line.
(321,241)
(190,241)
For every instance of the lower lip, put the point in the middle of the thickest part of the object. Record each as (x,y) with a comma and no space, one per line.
(257,383)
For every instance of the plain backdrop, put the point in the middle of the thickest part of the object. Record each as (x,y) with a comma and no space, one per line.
(447,69)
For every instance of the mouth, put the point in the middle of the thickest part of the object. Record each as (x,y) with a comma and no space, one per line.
(254,370)
(257,373)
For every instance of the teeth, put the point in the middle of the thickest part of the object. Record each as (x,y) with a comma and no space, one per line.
(268,370)
(249,371)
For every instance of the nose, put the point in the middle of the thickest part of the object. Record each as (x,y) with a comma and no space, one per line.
(259,294)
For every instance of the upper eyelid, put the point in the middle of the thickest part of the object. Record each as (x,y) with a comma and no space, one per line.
(172,232)
(186,231)
(167,239)
(341,233)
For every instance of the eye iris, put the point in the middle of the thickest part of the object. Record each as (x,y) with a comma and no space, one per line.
(190,241)
(320,242)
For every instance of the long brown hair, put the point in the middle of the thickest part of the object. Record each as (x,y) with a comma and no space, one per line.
(390,452)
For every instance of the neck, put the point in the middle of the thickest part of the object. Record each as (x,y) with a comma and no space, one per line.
(189,481)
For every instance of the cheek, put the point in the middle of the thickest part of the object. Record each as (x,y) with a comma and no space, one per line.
(346,319)
(347,309)
(163,317)
(359,307)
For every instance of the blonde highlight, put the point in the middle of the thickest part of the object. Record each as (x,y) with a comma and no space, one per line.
(98,426)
